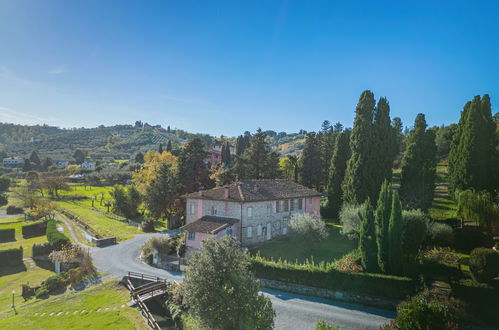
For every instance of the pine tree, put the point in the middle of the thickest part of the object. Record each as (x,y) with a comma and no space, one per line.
(382,220)
(367,239)
(160,149)
(341,154)
(257,155)
(358,173)
(242,143)
(272,170)
(193,172)
(417,179)
(383,148)
(139,158)
(169,147)
(472,157)
(34,159)
(395,231)
(162,192)
(309,173)
(79,156)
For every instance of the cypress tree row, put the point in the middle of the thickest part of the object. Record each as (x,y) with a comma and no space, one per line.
(341,154)
(395,229)
(169,147)
(309,173)
(473,157)
(417,179)
(358,174)
(367,239)
(382,221)
(383,148)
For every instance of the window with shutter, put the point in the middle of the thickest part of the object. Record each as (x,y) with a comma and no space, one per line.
(249,231)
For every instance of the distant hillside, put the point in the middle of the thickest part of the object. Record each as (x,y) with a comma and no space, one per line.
(118,142)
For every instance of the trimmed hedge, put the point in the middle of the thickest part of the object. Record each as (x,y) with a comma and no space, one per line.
(11,209)
(11,257)
(331,279)
(42,249)
(36,229)
(7,235)
(54,237)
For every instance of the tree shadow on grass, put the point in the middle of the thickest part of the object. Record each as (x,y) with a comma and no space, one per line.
(45,264)
(9,270)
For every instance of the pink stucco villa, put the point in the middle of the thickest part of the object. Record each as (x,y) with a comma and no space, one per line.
(252,211)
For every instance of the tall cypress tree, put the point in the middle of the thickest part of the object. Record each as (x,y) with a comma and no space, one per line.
(169,147)
(382,220)
(193,172)
(160,149)
(341,154)
(383,148)
(358,174)
(395,230)
(226,157)
(367,239)
(326,140)
(309,173)
(272,170)
(417,179)
(257,155)
(472,157)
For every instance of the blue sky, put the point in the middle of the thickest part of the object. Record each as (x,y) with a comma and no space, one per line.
(223,67)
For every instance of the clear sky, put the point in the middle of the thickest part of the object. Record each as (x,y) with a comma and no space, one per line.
(226,67)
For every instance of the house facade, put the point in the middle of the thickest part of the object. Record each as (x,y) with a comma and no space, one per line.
(262,208)
(13,162)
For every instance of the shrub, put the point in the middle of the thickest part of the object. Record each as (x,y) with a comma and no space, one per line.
(36,229)
(326,277)
(42,249)
(164,246)
(308,226)
(7,235)
(55,237)
(350,219)
(469,238)
(11,257)
(54,283)
(440,234)
(41,292)
(428,310)
(3,200)
(27,291)
(147,226)
(484,264)
(349,263)
(11,209)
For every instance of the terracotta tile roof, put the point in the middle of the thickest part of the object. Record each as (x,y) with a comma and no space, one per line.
(209,224)
(256,190)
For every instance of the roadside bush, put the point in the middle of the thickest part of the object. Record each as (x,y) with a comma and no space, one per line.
(323,325)
(41,249)
(164,246)
(147,226)
(484,264)
(41,292)
(33,230)
(350,219)
(11,209)
(326,277)
(7,235)
(54,237)
(27,292)
(54,283)
(440,234)
(428,310)
(11,257)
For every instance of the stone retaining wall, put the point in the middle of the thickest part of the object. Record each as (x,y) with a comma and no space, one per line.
(330,294)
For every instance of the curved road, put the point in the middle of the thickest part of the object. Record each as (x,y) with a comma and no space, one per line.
(292,311)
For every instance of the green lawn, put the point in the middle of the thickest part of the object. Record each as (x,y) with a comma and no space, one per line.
(12,219)
(293,248)
(100,222)
(11,278)
(20,241)
(443,206)
(105,295)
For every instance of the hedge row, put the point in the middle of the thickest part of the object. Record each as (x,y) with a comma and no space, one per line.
(42,249)
(7,235)
(54,237)
(36,229)
(481,299)
(331,279)
(11,257)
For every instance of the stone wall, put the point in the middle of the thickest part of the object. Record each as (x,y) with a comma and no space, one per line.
(379,302)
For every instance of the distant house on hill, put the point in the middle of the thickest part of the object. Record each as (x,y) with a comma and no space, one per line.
(252,211)
(88,166)
(214,155)
(62,164)
(13,162)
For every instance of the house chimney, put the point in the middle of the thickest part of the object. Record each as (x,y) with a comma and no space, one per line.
(226,192)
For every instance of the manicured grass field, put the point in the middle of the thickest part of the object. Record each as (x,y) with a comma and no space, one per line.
(443,206)
(11,219)
(294,248)
(11,278)
(91,193)
(101,223)
(105,295)
(26,243)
